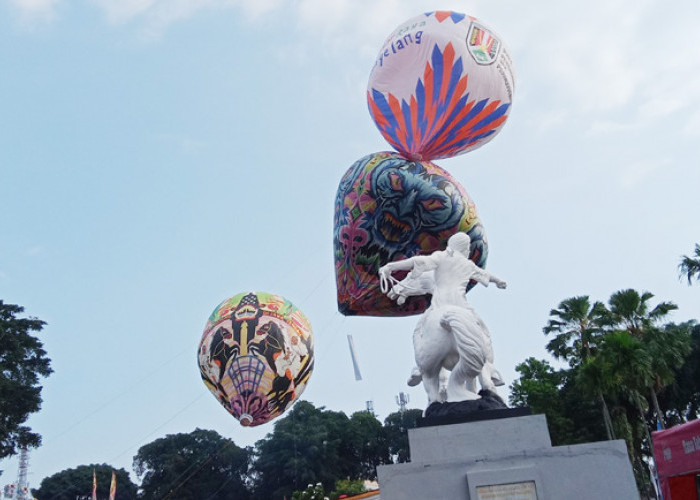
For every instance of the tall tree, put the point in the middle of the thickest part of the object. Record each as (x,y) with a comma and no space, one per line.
(76,484)
(368,443)
(308,446)
(540,387)
(396,427)
(22,361)
(681,399)
(627,368)
(577,326)
(689,267)
(630,311)
(571,417)
(668,348)
(195,466)
(312,445)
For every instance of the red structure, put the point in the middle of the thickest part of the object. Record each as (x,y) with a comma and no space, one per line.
(677,455)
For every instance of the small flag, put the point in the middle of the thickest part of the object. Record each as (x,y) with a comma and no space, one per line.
(94,485)
(113,486)
(351,344)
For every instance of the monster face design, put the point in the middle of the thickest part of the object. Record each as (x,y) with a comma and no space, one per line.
(387,208)
(409,201)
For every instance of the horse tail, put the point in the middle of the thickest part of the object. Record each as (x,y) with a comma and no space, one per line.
(469,343)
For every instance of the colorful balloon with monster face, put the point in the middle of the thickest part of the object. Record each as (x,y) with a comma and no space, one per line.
(442,85)
(256,355)
(388,208)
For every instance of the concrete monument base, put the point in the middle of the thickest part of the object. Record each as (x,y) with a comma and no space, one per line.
(506,459)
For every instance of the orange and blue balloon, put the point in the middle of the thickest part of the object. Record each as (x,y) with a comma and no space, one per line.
(442,85)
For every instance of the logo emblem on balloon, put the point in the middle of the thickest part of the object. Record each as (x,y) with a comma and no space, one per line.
(483,46)
(387,208)
(256,355)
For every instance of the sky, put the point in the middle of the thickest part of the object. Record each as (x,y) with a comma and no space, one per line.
(160,156)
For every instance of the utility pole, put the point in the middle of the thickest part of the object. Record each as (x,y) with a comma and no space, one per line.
(20,490)
(22,483)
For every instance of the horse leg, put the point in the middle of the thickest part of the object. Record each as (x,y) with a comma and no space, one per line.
(431,384)
(431,344)
(461,376)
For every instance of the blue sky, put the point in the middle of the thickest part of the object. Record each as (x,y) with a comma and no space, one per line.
(157,157)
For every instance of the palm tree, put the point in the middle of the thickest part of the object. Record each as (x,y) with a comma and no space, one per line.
(577,325)
(630,311)
(578,328)
(689,267)
(668,348)
(626,366)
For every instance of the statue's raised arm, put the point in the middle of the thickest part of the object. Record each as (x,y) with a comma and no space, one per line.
(419,281)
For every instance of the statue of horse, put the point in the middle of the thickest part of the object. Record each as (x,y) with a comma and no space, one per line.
(450,340)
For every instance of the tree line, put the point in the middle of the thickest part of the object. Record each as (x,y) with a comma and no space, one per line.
(627,372)
(311,448)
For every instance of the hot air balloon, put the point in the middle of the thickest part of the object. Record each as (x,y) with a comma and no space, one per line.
(442,85)
(386,208)
(256,355)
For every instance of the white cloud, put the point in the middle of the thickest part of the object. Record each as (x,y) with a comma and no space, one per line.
(619,64)
(585,54)
(32,11)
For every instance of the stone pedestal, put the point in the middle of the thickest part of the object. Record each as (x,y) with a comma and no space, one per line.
(506,459)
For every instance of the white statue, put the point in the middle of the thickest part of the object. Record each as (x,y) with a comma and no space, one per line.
(450,335)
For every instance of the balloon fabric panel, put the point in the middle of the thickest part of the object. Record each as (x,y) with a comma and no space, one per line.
(256,355)
(388,208)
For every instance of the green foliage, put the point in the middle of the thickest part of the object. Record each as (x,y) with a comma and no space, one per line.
(539,387)
(681,399)
(72,484)
(305,447)
(629,310)
(22,361)
(368,445)
(198,465)
(396,427)
(347,487)
(577,325)
(312,492)
(571,419)
(312,445)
